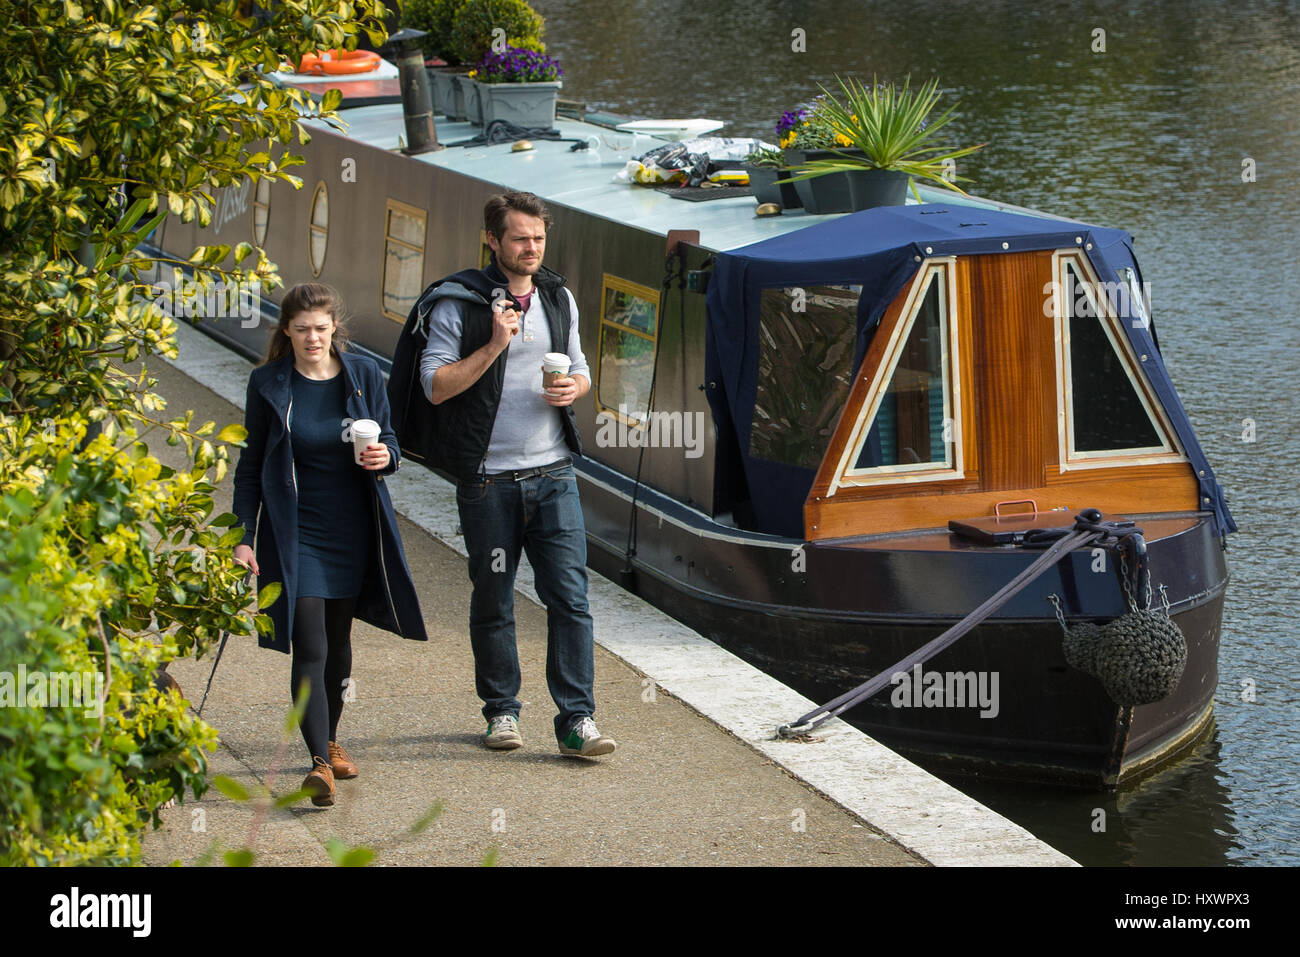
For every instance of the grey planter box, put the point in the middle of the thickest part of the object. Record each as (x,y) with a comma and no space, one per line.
(473,100)
(847,191)
(443,81)
(466,92)
(530,105)
(821,194)
(766,189)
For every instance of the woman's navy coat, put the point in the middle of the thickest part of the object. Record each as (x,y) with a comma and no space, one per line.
(265,482)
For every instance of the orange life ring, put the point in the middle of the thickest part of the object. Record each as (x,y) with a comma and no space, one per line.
(340,62)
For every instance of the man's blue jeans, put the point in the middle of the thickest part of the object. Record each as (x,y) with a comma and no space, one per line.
(542,516)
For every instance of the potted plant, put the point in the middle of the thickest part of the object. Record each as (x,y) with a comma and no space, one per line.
(481,26)
(890,136)
(436,18)
(519,85)
(806,134)
(461,32)
(765,167)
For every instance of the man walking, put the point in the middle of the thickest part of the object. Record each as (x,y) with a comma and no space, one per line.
(508,444)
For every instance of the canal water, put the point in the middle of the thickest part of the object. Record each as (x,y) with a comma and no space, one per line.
(1178,121)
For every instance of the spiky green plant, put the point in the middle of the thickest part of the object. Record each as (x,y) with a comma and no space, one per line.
(890,128)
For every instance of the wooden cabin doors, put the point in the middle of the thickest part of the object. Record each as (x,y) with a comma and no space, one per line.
(966,398)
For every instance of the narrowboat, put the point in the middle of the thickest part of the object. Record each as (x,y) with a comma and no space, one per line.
(787,412)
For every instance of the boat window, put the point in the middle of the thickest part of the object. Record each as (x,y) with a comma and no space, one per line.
(403,259)
(907,425)
(319,228)
(629,328)
(1108,405)
(806,336)
(261,211)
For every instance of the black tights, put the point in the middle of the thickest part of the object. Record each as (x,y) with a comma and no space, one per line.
(322,654)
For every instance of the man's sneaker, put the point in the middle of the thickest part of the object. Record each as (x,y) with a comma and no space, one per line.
(503,733)
(583,739)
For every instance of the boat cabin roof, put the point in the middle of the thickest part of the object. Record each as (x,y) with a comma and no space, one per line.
(584,179)
(867,260)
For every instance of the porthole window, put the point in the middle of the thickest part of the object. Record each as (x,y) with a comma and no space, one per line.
(319,228)
(403,259)
(261,211)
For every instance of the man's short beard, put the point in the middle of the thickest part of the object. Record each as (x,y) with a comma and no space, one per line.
(518,267)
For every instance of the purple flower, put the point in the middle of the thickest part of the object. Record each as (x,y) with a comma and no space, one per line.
(518,65)
(789,120)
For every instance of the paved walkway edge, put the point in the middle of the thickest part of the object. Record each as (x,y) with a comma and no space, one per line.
(908,805)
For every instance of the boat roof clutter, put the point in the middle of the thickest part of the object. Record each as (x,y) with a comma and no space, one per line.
(689,162)
(881,249)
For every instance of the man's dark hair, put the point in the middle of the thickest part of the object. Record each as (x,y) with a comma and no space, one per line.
(498,207)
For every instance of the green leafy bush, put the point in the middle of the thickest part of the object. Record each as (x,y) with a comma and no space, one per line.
(112,116)
(435,18)
(477,21)
(84,591)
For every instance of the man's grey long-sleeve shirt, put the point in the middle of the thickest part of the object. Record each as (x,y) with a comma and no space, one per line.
(527,432)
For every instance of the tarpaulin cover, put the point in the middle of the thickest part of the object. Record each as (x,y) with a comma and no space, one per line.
(881,250)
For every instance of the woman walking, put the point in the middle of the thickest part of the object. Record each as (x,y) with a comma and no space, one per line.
(324,526)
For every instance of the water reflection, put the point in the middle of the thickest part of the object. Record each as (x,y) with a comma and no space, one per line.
(1179,816)
(1149,134)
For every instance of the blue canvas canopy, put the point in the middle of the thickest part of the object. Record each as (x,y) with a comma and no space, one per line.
(881,250)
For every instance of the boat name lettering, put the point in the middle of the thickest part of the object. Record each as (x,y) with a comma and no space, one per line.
(233,204)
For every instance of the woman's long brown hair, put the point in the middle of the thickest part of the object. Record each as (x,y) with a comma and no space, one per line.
(307,297)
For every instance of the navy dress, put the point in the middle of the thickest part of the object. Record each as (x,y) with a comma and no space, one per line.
(336,522)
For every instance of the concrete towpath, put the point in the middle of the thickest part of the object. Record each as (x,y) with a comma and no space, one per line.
(696,778)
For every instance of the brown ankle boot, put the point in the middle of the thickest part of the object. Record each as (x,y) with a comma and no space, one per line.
(342,765)
(320,783)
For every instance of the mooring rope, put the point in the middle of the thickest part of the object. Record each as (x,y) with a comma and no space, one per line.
(674,266)
(1087,529)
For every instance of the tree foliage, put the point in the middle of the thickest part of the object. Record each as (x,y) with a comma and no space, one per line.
(112,115)
(479,22)
(462,31)
(435,18)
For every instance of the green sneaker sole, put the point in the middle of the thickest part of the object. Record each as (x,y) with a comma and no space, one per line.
(594,749)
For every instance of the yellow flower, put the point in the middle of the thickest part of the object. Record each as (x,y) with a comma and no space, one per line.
(787,140)
(842,140)
(473,74)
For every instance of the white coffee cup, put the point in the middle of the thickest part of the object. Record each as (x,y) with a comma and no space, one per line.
(555,365)
(365,432)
